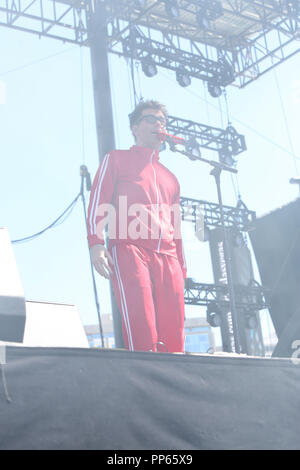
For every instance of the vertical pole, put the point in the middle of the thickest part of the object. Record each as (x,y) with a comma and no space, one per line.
(97,33)
(232,319)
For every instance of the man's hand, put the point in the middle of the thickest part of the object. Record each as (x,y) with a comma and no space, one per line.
(102,260)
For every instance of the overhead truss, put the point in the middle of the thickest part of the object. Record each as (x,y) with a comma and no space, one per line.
(208,137)
(47,18)
(252,36)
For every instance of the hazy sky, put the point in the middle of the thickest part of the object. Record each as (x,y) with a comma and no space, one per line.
(48,131)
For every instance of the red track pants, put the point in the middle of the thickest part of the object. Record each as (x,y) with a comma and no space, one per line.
(149,290)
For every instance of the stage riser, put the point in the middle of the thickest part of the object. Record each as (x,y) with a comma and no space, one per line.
(114,399)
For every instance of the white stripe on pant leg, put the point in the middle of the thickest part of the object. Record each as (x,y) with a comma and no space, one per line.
(123,299)
(120,290)
(95,201)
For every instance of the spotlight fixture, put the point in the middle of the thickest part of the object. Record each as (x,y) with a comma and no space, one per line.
(233,146)
(193,149)
(214,90)
(183,78)
(209,11)
(225,156)
(202,19)
(226,75)
(214,314)
(172,9)
(149,67)
(214,9)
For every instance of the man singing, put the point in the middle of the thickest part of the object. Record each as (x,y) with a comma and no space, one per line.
(138,198)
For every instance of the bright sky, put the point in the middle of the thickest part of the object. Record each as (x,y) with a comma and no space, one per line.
(48,130)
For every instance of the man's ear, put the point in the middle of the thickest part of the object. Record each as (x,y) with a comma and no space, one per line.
(133,130)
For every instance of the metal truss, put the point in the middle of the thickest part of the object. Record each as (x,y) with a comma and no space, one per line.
(196,211)
(138,46)
(210,138)
(57,20)
(249,38)
(248,299)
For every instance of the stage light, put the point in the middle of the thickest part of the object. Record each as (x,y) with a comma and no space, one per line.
(172,8)
(193,148)
(209,11)
(214,314)
(225,156)
(222,78)
(183,78)
(226,74)
(149,67)
(214,10)
(214,90)
(202,20)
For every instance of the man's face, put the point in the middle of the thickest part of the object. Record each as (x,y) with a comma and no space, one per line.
(146,130)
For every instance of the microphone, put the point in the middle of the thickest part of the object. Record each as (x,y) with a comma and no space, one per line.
(171,139)
(85,174)
(295,180)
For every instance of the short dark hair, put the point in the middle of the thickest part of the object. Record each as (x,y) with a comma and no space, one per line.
(138,111)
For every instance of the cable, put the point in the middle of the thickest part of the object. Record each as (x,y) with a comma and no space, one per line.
(132,98)
(52,225)
(137,64)
(286,122)
(82,107)
(36,62)
(133,82)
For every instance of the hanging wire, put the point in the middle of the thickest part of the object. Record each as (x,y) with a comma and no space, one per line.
(35,62)
(234,178)
(221,112)
(137,67)
(226,104)
(132,69)
(66,213)
(133,82)
(82,107)
(286,122)
(132,98)
(206,103)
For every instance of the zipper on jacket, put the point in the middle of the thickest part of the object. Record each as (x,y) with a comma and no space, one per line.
(157,203)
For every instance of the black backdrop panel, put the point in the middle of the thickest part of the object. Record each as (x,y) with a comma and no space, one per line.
(114,399)
(276,243)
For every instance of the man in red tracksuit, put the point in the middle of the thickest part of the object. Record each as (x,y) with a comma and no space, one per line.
(138,198)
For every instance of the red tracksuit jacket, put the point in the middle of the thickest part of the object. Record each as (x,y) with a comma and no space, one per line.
(139,198)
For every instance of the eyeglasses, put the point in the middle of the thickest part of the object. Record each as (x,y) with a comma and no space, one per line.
(151,119)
